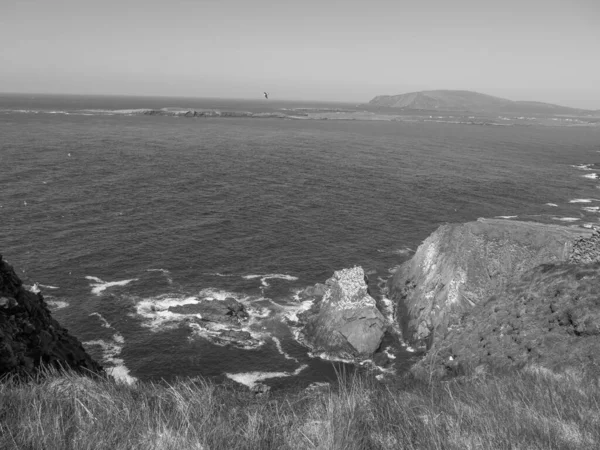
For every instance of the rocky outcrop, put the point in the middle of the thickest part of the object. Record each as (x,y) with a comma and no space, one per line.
(30,337)
(344,320)
(550,317)
(462,265)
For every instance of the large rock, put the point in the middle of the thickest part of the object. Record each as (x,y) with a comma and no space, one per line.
(344,320)
(549,317)
(461,265)
(30,337)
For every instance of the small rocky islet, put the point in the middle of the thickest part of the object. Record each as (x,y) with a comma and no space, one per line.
(493,294)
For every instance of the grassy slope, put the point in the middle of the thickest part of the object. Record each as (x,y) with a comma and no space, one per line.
(530,409)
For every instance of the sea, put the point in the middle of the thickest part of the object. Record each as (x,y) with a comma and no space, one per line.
(116,208)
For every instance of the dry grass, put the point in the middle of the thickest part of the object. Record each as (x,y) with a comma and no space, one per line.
(531,409)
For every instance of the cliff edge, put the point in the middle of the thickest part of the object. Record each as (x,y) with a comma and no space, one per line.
(462,265)
(29,337)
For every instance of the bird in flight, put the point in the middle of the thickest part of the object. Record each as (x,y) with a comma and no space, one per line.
(266,95)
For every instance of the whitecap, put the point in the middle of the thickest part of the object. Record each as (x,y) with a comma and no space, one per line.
(293,310)
(110,351)
(270,276)
(47,286)
(551,204)
(156,312)
(57,304)
(593,209)
(505,217)
(567,219)
(212,332)
(582,200)
(592,176)
(165,272)
(250,379)
(582,166)
(104,322)
(388,353)
(99,286)
(330,357)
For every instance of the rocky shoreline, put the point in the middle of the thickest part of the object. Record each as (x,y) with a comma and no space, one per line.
(485,295)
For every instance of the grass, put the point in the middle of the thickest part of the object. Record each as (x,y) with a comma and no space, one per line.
(529,409)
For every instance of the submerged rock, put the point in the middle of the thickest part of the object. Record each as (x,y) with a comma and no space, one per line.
(30,337)
(462,265)
(344,320)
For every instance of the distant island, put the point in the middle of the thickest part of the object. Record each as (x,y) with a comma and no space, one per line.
(452,100)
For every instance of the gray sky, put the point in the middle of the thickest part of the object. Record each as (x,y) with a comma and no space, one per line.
(545,50)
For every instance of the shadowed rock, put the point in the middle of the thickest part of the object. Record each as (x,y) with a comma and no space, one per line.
(30,337)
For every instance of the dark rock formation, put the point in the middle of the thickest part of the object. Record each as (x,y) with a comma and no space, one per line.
(30,337)
(549,317)
(461,265)
(344,320)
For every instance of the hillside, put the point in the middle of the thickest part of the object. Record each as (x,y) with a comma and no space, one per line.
(449,100)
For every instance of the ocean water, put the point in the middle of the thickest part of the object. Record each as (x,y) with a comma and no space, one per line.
(118,207)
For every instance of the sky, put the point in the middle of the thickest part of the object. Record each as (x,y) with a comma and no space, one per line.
(352,50)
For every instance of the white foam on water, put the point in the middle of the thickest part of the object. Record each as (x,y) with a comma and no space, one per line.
(387,351)
(280,349)
(57,304)
(105,323)
(156,312)
(567,219)
(582,166)
(34,289)
(110,351)
(329,357)
(593,209)
(551,204)
(583,200)
(410,349)
(100,286)
(592,176)
(219,294)
(47,286)
(270,276)
(250,379)
(294,310)
(388,309)
(505,217)
(165,272)
(211,331)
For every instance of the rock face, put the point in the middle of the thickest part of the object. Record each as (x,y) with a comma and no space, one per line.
(344,320)
(30,337)
(550,317)
(462,265)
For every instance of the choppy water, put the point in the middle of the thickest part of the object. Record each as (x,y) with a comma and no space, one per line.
(117,214)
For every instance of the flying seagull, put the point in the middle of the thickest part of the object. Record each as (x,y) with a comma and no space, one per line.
(266,95)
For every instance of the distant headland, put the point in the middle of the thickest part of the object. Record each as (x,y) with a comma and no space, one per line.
(456,100)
